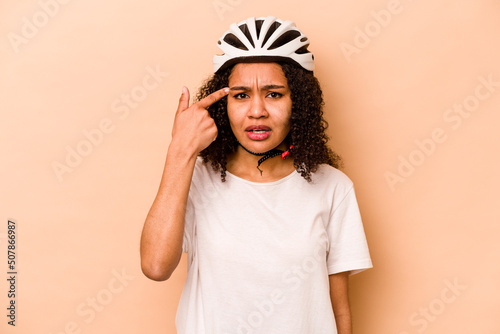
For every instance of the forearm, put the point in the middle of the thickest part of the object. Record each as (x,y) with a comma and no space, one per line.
(344,323)
(162,235)
(339,295)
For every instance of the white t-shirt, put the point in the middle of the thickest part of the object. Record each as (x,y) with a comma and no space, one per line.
(259,254)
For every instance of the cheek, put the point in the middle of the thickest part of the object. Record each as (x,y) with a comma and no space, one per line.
(230,113)
(286,115)
(234,116)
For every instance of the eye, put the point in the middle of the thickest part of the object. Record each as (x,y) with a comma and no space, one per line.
(274,95)
(240,96)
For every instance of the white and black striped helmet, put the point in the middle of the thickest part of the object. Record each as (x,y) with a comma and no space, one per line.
(264,39)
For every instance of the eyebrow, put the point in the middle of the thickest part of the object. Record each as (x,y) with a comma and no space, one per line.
(245,88)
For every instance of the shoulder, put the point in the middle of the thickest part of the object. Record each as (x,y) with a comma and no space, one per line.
(332,184)
(331,175)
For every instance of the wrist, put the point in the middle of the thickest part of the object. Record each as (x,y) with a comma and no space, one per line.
(179,165)
(182,150)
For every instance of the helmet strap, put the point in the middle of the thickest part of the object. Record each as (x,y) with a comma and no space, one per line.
(269,154)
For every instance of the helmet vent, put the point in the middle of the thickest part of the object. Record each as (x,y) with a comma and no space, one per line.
(258,26)
(285,38)
(302,49)
(231,39)
(272,28)
(244,29)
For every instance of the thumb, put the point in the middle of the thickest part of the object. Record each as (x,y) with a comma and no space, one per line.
(183,100)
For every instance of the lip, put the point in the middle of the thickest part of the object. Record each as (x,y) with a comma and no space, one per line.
(258,136)
(266,131)
(258,127)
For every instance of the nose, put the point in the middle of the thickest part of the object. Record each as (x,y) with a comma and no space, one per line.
(257,107)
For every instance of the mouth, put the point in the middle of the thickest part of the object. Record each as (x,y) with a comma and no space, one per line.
(258,132)
(258,128)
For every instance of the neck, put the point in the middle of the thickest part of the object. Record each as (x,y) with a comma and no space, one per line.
(243,163)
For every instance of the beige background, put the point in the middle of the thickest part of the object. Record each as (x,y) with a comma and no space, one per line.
(431,225)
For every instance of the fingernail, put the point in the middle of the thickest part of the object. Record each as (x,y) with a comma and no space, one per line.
(226,90)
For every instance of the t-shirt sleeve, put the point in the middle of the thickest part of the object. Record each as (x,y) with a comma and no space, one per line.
(348,249)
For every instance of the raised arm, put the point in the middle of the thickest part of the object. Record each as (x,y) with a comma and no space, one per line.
(162,234)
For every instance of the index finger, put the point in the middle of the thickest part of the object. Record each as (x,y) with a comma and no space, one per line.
(212,98)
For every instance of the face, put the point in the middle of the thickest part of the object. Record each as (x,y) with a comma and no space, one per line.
(259,105)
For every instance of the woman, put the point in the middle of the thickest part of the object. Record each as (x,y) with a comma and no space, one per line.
(250,191)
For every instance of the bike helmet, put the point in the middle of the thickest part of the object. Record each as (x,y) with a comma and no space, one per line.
(263,39)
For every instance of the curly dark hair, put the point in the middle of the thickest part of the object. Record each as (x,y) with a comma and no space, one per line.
(307,126)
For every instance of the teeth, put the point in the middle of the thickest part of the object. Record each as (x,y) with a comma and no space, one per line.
(258,131)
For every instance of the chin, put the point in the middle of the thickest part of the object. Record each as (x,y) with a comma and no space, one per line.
(260,146)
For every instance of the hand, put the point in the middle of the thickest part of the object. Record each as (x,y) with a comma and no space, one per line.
(193,126)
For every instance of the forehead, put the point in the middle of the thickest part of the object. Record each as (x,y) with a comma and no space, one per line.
(261,73)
